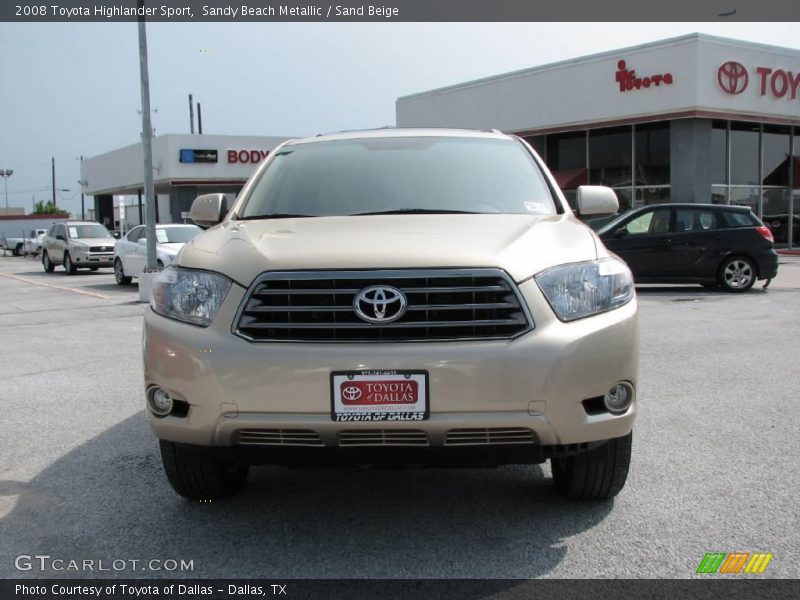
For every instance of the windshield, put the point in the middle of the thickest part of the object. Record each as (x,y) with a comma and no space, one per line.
(176,235)
(400,175)
(88,231)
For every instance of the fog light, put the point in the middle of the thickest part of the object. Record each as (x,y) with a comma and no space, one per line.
(160,402)
(618,399)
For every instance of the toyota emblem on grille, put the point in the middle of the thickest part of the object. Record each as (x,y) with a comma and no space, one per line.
(380,304)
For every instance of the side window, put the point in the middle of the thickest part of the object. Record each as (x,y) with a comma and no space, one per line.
(739,219)
(60,231)
(690,219)
(135,234)
(654,221)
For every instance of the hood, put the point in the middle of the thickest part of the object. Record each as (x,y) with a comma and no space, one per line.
(523,245)
(170,248)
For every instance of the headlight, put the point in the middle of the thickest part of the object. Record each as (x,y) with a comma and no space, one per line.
(190,296)
(583,289)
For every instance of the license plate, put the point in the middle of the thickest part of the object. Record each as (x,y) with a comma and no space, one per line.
(379,396)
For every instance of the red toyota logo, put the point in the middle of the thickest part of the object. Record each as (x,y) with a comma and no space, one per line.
(732,77)
(351,392)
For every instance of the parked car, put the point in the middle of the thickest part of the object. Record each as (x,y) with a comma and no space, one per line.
(710,244)
(130,252)
(33,243)
(77,245)
(779,225)
(395,297)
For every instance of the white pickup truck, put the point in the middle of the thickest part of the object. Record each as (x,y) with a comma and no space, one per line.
(31,244)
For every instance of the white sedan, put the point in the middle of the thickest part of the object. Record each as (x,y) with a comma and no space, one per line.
(130,252)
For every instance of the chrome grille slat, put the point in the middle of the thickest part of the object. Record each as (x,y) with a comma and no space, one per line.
(387,326)
(442,305)
(278,437)
(492,435)
(383,437)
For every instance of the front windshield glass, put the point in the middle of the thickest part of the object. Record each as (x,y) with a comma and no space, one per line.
(176,235)
(88,231)
(400,174)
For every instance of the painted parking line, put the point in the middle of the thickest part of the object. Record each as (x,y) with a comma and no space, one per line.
(58,287)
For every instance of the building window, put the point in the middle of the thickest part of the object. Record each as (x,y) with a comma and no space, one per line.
(719,194)
(776,155)
(610,160)
(646,196)
(795,170)
(566,158)
(745,196)
(652,154)
(537,143)
(624,197)
(744,153)
(718,161)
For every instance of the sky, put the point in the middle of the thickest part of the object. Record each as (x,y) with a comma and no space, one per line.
(72,89)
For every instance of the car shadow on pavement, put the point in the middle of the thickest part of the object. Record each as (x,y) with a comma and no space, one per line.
(109,499)
(691,290)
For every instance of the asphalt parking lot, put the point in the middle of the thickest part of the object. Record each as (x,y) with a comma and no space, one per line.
(714,467)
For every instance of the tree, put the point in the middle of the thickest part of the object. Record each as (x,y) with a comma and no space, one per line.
(48,207)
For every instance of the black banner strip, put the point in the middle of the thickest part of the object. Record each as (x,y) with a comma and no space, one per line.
(709,587)
(399,11)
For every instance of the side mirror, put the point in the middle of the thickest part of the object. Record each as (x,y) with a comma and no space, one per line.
(115,235)
(61,237)
(596,200)
(620,232)
(208,210)
(142,241)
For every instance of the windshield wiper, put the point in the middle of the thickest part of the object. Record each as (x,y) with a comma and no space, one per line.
(274,216)
(416,211)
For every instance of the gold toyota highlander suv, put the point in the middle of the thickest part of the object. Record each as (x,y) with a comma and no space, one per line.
(395,297)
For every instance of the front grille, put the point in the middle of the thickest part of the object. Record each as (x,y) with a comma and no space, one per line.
(443,304)
(101,248)
(383,437)
(278,437)
(492,435)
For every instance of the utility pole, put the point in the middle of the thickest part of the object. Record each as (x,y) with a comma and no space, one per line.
(53,166)
(83,211)
(147,145)
(199,120)
(5,174)
(191,115)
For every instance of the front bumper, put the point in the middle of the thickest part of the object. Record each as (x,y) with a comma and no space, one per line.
(93,259)
(534,383)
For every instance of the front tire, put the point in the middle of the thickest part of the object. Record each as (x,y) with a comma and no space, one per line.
(737,274)
(598,474)
(69,266)
(200,478)
(46,263)
(119,273)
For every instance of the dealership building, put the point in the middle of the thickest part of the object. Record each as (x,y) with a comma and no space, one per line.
(184,166)
(688,119)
